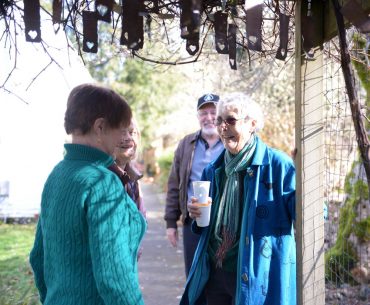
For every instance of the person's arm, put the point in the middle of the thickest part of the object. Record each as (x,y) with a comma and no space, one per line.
(172,209)
(193,210)
(111,220)
(141,205)
(37,262)
(289,191)
(172,236)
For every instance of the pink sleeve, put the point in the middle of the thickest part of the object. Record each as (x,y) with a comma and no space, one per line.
(140,203)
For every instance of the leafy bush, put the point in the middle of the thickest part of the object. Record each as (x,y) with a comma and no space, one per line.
(339,260)
(165,162)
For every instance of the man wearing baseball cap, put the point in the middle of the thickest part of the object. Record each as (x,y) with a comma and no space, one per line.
(193,153)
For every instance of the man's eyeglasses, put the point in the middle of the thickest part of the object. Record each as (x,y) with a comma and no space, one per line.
(228,121)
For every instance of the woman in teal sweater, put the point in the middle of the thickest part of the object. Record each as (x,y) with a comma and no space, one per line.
(89,229)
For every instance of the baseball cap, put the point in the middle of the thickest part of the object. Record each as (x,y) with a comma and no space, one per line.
(206,99)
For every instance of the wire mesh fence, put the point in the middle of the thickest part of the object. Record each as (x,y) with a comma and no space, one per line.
(347,207)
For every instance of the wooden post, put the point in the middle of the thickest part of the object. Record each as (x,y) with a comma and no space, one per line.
(310,167)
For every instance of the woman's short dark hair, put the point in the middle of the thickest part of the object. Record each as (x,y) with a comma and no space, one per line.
(88,102)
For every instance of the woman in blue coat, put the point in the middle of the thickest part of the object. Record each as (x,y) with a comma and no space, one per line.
(247,254)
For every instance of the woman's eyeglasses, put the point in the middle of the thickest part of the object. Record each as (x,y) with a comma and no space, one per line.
(228,121)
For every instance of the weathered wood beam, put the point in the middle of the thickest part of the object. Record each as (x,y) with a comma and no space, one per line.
(309,161)
(330,22)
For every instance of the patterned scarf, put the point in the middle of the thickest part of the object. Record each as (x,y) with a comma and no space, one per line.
(228,215)
(130,183)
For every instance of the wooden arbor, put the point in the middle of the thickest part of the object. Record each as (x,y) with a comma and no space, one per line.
(316,21)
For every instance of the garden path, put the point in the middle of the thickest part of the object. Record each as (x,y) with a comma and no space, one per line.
(161,267)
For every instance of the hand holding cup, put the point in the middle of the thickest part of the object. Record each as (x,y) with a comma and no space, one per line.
(200,206)
(194,208)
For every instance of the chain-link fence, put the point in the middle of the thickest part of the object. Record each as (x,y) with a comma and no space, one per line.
(347,207)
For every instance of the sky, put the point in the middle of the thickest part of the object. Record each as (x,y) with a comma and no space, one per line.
(31,131)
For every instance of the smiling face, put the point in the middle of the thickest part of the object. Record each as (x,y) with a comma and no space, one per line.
(126,150)
(235,136)
(206,117)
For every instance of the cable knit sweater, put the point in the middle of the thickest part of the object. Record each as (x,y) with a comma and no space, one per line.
(87,238)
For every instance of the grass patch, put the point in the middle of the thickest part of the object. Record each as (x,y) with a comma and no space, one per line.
(16,278)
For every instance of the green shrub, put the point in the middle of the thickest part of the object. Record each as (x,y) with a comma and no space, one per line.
(165,162)
(342,257)
(339,260)
(362,230)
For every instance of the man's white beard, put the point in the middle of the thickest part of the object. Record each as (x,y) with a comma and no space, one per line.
(209,131)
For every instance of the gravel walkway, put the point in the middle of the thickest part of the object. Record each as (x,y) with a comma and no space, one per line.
(161,267)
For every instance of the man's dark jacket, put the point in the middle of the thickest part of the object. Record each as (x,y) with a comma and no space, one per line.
(178,180)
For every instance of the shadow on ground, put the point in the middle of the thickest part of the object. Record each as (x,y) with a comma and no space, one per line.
(161,267)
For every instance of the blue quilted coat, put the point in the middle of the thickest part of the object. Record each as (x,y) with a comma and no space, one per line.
(266,273)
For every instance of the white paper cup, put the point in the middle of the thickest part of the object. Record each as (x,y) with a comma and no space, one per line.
(201,190)
(203,219)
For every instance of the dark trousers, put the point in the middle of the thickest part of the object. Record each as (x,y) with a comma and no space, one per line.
(221,287)
(190,241)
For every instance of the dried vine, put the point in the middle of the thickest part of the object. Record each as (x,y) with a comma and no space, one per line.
(161,20)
